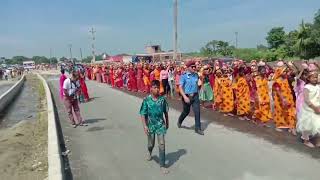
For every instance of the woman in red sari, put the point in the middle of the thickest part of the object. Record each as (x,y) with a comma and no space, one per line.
(111,76)
(104,74)
(140,82)
(119,78)
(89,72)
(132,82)
(83,86)
(146,79)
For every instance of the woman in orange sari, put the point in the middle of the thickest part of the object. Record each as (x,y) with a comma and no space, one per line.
(262,108)
(285,111)
(216,91)
(243,95)
(226,93)
(156,72)
(146,79)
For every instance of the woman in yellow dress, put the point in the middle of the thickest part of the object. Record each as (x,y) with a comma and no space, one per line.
(285,111)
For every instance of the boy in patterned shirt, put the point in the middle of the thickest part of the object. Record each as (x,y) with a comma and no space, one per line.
(152,110)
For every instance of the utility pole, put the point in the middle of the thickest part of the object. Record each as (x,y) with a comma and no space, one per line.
(50,56)
(81,54)
(236,33)
(70,49)
(92,31)
(175,36)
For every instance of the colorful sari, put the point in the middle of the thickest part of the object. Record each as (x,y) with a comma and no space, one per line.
(146,80)
(84,89)
(140,81)
(285,114)
(262,108)
(132,82)
(243,96)
(226,93)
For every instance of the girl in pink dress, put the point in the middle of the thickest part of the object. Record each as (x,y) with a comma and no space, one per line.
(62,78)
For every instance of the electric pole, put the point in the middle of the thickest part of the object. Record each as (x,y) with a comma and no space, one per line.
(236,33)
(175,36)
(50,56)
(92,31)
(70,49)
(81,54)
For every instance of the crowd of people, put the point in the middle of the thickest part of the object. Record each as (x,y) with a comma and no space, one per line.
(283,96)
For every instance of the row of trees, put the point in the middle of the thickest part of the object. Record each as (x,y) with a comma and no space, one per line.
(302,43)
(36,59)
(43,59)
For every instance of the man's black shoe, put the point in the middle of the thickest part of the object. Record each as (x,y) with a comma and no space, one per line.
(199,132)
(179,125)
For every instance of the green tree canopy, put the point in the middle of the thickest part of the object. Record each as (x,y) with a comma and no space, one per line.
(276,37)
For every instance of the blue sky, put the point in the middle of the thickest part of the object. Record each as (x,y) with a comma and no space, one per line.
(32,27)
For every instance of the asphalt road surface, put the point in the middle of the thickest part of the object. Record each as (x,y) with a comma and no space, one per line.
(113,146)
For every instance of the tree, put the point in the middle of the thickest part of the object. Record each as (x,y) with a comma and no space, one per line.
(290,42)
(17,60)
(276,37)
(87,59)
(224,49)
(53,60)
(262,47)
(304,41)
(210,49)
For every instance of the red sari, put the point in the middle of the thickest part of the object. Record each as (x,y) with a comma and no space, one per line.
(146,80)
(84,88)
(111,76)
(119,79)
(132,82)
(88,73)
(140,82)
(104,75)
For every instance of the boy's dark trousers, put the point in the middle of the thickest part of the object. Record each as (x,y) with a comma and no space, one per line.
(161,143)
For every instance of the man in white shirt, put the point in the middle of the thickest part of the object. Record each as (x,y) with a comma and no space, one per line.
(71,88)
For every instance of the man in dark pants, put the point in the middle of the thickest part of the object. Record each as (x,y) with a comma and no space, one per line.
(190,97)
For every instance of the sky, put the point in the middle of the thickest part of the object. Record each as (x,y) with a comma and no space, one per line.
(32,27)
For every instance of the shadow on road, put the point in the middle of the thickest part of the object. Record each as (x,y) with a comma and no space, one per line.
(172,157)
(92,121)
(215,118)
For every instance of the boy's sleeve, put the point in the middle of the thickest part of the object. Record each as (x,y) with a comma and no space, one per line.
(144,108)
(165,106)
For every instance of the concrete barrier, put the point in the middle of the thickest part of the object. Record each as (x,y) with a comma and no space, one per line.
(7,97)
(55,171)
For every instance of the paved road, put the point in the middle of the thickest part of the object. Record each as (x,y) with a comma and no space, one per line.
(5,85)
(113,146)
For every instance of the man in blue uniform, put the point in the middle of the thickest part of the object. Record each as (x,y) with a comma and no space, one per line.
(190,97)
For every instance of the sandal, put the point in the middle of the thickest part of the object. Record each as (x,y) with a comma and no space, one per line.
(165,170)
(309,144)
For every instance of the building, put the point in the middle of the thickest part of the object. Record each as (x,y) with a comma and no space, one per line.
(155,52)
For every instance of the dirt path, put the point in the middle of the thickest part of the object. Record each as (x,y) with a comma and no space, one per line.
(23,147)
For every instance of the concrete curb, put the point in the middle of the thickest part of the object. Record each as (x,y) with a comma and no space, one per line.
(7,97)
(55,171)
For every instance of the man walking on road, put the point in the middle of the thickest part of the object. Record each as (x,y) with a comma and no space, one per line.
(190,97)
(152,110)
